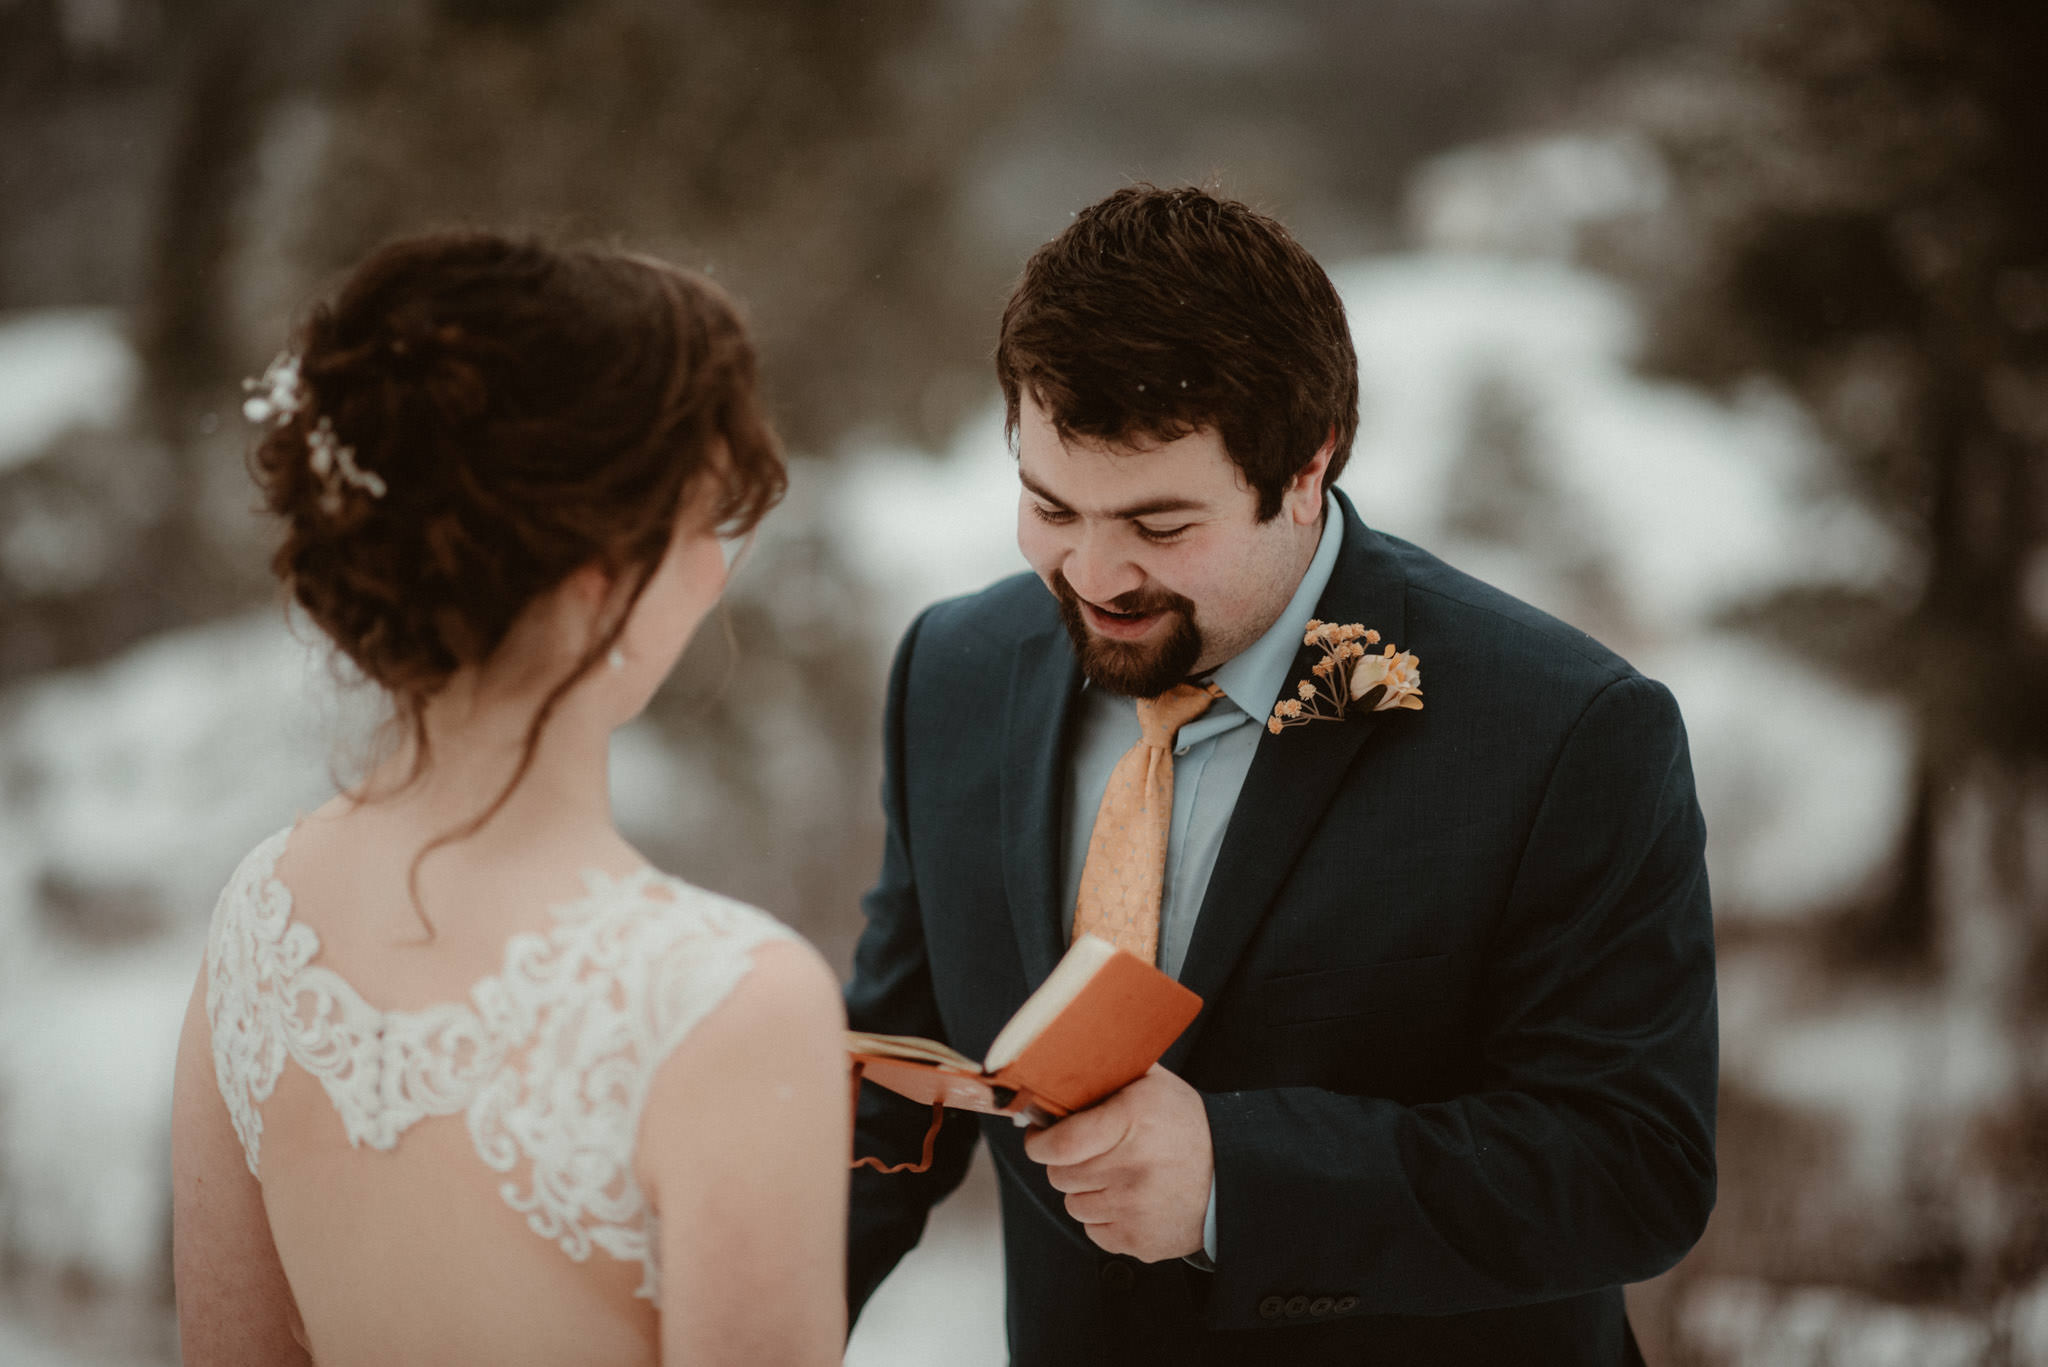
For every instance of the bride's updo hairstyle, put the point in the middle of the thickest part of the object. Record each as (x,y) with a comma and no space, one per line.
(473,419)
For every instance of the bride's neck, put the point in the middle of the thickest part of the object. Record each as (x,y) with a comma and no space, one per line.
(476,738)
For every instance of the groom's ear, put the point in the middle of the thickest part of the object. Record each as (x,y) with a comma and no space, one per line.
(1303,498)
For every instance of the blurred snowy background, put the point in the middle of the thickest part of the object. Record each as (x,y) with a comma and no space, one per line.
(1720,331)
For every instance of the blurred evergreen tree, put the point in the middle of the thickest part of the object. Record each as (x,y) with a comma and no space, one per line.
(1862,214)
(808,152)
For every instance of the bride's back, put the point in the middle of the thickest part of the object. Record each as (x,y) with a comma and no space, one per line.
(453,1126)
(463,1079)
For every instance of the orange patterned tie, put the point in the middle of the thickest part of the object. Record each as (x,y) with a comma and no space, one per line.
(1126,870)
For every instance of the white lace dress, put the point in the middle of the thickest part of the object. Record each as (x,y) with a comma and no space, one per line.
(549,1061)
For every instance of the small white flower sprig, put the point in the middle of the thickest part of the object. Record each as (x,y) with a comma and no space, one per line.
(1346,675)
(277,394)
(280,395)
(335,464)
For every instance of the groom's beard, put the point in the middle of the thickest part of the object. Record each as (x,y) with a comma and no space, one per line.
(1135,669)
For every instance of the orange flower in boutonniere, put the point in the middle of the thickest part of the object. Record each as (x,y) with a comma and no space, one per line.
(1349,675)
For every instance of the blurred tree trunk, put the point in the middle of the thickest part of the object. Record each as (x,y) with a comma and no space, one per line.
(234,60)
(223,96)
(1860,215)
(1872,189)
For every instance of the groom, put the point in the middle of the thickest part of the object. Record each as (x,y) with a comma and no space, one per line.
(1453,1081)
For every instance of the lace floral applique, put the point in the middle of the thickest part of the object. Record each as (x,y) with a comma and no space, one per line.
(549,1061)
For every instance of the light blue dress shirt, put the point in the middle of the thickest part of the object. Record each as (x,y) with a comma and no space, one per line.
(1211,757)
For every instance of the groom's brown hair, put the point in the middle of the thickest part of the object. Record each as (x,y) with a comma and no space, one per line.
(1157,313)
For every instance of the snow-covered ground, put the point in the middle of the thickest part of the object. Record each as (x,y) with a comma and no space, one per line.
(1742,1321)
(943,1305)
(1503,428)
(60,370)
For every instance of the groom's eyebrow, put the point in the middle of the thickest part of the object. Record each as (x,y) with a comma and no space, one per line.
(1151,507)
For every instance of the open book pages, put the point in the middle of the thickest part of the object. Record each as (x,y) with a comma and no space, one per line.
(1098,1021)
(1082,961)
(911,1047)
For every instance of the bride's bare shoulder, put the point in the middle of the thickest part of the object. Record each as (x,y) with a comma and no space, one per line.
(786,984)
(780,1024)
(789,978)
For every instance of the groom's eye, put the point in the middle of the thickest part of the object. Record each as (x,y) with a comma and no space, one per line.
(1058,517)
(1160,536)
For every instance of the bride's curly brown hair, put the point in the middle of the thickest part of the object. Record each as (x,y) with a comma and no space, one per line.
(529,410)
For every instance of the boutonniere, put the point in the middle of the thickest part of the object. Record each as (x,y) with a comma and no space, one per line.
(1347,677)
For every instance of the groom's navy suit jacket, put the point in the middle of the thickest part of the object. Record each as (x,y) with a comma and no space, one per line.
(1457,1046)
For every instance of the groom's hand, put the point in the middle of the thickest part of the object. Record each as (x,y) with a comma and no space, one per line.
(1135,1167)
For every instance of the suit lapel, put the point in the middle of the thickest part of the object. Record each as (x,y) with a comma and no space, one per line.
(1293,778)
(1043,683)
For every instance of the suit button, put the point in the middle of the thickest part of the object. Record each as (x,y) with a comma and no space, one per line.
(1272,1308)
(1321,1305)
(1345,1305)
(1119,1276)
(1297,1306)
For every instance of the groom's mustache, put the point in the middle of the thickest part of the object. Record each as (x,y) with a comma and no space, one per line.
(1136,603)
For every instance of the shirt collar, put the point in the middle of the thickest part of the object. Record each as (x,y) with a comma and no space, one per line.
(1253,678)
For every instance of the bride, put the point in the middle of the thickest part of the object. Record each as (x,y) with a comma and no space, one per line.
(463,1079)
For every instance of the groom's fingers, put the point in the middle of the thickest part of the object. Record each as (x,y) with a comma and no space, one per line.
(1073,1177)
(1135,1170)
(1093,1207)
(1080,1137)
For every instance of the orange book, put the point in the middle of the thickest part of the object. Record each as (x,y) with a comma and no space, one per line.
(1097,1023)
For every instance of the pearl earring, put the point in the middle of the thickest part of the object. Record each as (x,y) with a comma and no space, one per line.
(617,659)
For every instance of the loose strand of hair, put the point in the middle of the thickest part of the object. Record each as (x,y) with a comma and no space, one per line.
(529,747)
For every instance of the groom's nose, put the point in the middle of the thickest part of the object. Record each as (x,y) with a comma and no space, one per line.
(1097,568)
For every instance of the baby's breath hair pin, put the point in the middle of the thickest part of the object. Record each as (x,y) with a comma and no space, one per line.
(278,396)
(1347,676)
(335,464)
